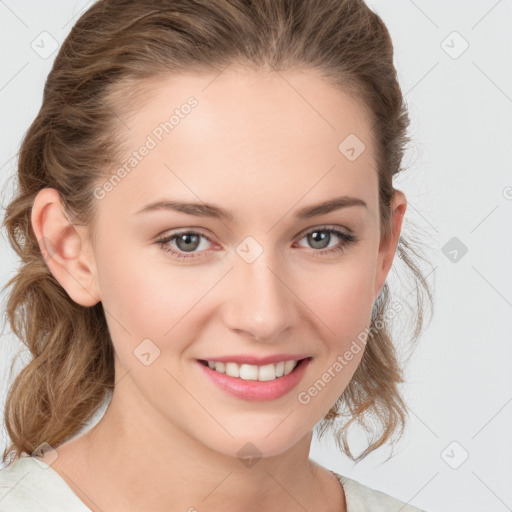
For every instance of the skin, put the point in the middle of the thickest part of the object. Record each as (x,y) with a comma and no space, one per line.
(169,439)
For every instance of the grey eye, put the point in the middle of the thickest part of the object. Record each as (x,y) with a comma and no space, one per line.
(187,241)
(318,239)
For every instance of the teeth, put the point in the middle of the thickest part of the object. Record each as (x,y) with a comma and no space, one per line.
(232,369)
(253,372)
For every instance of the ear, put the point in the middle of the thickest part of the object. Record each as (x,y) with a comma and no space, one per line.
(389,243)
(65,248)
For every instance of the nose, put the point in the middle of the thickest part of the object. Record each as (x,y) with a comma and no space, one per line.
(261,304)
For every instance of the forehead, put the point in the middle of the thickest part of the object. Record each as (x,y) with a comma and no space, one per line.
(240,134)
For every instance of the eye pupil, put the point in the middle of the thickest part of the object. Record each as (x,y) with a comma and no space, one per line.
(186,237)
(317,239)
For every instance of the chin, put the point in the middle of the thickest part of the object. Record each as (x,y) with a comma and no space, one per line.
(250,448)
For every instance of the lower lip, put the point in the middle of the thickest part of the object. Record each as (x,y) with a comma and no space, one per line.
(255,390)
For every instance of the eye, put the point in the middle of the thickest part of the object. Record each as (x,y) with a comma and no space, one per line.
(319,238)
(186,242)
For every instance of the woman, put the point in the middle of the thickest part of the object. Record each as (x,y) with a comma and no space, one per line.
(206,220)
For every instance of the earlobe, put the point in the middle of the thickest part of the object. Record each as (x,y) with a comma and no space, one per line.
(65,248)
(389,244)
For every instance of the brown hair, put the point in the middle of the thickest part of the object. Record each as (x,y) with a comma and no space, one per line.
(113,51)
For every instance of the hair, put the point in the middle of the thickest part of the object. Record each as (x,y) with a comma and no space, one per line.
(115,49)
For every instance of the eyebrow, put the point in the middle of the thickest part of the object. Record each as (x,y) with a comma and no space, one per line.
(210,210)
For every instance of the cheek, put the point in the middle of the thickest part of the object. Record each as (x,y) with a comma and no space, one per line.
(136,292)
(342,303)
(161,302)
(131,294)
(342,300)
(341,296)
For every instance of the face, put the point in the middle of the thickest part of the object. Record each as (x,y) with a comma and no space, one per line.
(273,276)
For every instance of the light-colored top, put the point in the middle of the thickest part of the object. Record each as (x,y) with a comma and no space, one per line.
(30,485)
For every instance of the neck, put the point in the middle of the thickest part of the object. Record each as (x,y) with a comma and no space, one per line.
(140,465)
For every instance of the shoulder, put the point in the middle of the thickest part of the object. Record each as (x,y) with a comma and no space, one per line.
(29,485)
(361,498)
(17,491)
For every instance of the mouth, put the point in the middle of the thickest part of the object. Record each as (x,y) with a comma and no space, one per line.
(255,383)
(260,373)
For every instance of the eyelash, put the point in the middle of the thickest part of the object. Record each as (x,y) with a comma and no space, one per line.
(347,240)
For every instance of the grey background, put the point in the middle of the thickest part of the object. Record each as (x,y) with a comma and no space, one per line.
(458,184)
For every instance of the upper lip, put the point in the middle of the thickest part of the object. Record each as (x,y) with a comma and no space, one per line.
(255,360)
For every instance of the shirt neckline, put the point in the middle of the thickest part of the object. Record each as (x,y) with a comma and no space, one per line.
(44,480)
(65,491)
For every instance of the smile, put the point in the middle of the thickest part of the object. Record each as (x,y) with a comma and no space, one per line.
(253,372)
(255,383)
